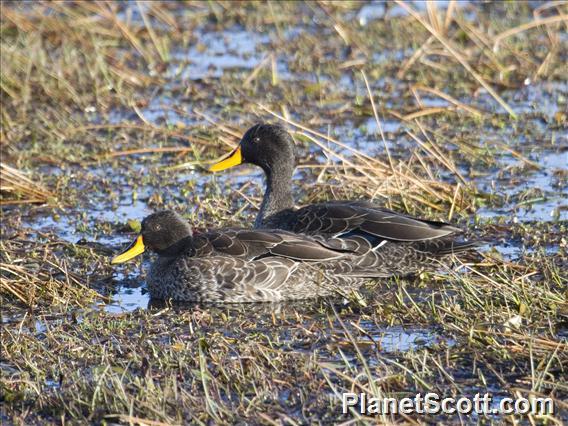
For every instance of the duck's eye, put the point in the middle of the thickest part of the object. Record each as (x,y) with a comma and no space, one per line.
(158,228)
(256,140)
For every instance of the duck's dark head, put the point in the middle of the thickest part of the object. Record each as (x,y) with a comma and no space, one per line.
(268,146)
(162,232)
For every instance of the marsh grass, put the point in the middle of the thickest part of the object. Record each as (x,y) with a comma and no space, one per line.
(37,274)
(79,81)
(17,188)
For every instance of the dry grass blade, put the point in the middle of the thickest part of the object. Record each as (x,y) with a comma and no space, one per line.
(157,42)
(447,44)
(165,131)
(449,15)
(21,188)
(162,150)
(432,151)
(415,56)
(127,32)
(529,25)
(424,112)
(34,274)
(378,121)
(451,99)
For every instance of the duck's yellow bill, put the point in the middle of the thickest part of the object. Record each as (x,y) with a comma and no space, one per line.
(234,159)
(133,250)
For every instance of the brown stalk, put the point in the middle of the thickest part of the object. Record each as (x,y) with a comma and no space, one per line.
(524,27)
(450,99)
(144,151)
(425,112)
(14,181)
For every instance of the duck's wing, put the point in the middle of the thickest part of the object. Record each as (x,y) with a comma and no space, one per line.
(261,244)
(342,219)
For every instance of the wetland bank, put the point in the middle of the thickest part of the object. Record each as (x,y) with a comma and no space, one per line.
(451,111)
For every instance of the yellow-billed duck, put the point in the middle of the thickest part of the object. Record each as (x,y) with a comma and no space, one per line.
(394,235)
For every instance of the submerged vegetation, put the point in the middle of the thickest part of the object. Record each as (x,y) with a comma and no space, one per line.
(112,110)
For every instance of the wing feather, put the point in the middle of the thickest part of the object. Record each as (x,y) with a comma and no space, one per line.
(340,218)
(251,244)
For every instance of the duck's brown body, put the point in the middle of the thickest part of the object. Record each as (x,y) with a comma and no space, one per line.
(219,279)
(274,265)
(253,266)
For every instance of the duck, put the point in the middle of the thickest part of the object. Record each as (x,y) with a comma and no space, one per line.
(262,265)
(243,265)
(406,244)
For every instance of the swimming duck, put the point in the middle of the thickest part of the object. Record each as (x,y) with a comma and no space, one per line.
(241,265)
(263,265)
(396,236)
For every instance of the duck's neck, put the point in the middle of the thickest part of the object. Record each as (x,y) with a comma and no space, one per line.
(278,193)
